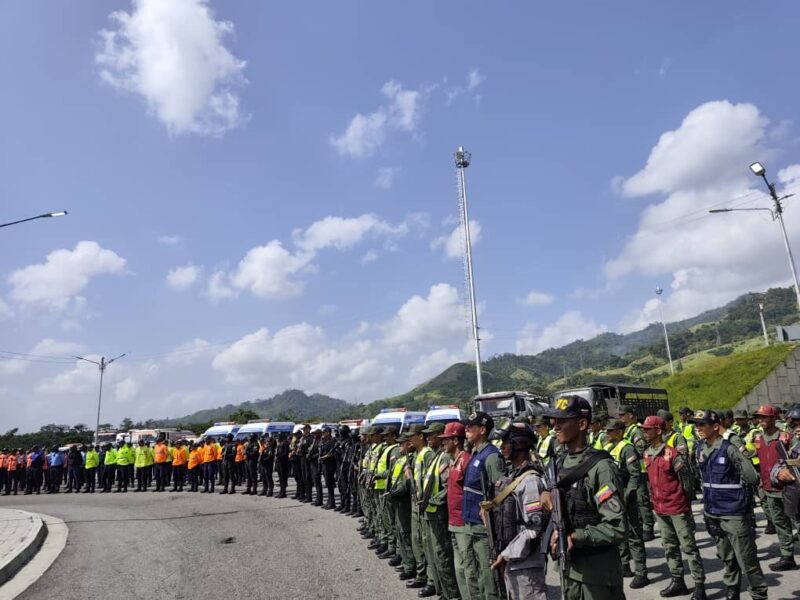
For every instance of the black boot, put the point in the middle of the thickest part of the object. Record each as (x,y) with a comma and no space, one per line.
(770,528)
(416,583)
(732,593)
(699,592)
(676,588)
(639,581)
(427,591)
(786,563)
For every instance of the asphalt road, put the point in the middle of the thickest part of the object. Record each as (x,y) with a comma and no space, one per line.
(181,546)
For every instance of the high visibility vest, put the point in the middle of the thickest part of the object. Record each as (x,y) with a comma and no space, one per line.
(11,462)
(179,457)
(195,458)
(2,461)
(92,459)
(111,457)
(210,453)
(160,453)
(380,482)
(750,445)
(239,452)
(688,434)
(397,469)
(600,442)
(544,447)
(374,456)
(615,451)
(418,474)
(170,453)
(433,477)
(671,439)
(629,431)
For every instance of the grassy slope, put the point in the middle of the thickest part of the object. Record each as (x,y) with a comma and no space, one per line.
(720,382)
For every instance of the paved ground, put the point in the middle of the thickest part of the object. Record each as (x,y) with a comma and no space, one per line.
(175,546)
(21,534)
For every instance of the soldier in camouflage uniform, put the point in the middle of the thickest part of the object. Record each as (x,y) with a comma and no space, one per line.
(634,434)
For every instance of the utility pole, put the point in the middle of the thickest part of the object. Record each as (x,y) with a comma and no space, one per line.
(463,159)
(659,291)
(763,324)
(102,366)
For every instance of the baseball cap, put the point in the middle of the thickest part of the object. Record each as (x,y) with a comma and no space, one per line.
(390,429)
(434,428)
(740,414)
(655,422)
(414,429)
(570,407)
(480,419)
(542,420)
(453,430)
(704,417)
(666,415)
(615,424)
(766,410)
(684,410)
(625,408)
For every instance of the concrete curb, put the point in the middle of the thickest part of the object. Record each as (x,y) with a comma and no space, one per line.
(24,548)
(41,561)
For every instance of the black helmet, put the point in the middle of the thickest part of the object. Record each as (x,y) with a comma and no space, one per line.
(522,436)
(793,413)
(500,431)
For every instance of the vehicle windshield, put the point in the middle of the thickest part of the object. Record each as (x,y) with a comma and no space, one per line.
(585,393)
(500,405)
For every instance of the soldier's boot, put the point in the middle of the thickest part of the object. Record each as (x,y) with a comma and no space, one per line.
(732,593)
(770,528)
(648,536)
(386,554)
(626,570)
(427,591)
(639,581)
(395,561)
(699,592)
(786,563)
(416,583)
(677,587)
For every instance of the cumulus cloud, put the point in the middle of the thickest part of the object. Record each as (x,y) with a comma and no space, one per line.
(48,348)
(704,260)
(366,132)
(182,278)
(535,298)
(386,176)
(218,288)
(440,315)
(173,55)
(344,233)
(188,353)
(571,326)
(473,80)
(271,271)
(64,274)
(453,244)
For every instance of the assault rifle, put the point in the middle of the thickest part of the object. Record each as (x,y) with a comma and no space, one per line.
(491,533)
(558,524)
(791,491)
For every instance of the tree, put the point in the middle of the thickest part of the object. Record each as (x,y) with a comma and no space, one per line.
(243,416)
(126,424)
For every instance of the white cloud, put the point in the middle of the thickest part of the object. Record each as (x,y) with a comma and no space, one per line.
(386,176)
(367,132)
(453,244)
(474,79)
(81,379)
(370,256)
(439,316)
(188,353)
(218,288)
(537,298)
(169,240)
(182,278)
(344,233)
(271,271)
(430,365)
(172,54)
(571,326)
(6,312)
(704,260)
(58,281)
(126,390)
(48,348)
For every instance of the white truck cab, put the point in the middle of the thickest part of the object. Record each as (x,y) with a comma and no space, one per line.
(444,414)
(399,417)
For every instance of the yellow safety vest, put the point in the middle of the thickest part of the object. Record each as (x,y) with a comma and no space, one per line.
(398,466)
(688,434)
(629,437)
(418,467)
(615,451)
(433,475)
(380,482)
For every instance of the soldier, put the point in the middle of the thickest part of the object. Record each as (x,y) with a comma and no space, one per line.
(343,450)
(399,495)
(727,432)
(546,443)
(519,517)
(595,516)
(415,472)
(229,466)
(725,472)
(252,453)
(633,433)
(598,438)
(282,463)
(327,464)
(485,467)
(305,466)
(630,473)
(439,550)
(672,487)
(772,500)
(315,467)
(782,477)
(741,423)
(295,458)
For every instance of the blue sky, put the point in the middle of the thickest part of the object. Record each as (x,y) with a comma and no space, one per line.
(262,195)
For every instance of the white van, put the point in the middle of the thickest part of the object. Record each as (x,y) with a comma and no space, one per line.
(220,431)
(444,414)
(399,417)
(278,427)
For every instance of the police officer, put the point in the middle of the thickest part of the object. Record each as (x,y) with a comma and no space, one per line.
(630,473)
(265,464)
(282,463)
(671,486)
(595,511)
(725,471)
(252,452)
(343,451)
(634,434)
(229,466)
(519,516)
(327,463)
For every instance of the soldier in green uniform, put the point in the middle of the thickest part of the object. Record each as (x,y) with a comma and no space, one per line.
(546,443)
(438,546)
(634,434)
(630,474)
(725,472)
(672,488)
(598,438)
(415,471)
(386,518)
(594,506)
(399,494)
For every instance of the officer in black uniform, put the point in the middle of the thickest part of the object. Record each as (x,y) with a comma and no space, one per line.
(229,466)
(251,453)
(314,467)
(266,464)
(344,457)
(327,466)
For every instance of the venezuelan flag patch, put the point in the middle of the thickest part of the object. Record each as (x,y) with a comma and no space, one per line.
(604,494)
(533,507)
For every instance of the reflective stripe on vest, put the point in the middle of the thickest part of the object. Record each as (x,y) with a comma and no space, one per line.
(380,482)
(724,493)
(434,476)
(418,474)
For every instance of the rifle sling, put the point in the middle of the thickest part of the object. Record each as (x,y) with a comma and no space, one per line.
(504,493)
(579,472)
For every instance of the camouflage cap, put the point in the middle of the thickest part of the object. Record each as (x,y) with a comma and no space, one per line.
(434,428)
(614,424)
(665,414)
(740,414)
(599,417)
(726,414)
(414,429)
(390,430)
(625,409)
(542,421)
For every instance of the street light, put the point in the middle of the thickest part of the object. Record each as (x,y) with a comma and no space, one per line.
(102,365)
(763,324)
(60,213)
(777,215)
(659,291)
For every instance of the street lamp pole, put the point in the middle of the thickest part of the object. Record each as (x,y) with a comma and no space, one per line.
(763,324)
(659,291)
(102,366)
(60,213)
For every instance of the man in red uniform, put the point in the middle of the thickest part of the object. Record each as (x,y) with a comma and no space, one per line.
(766,444)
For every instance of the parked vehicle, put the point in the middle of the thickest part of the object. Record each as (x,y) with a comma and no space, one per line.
(608,397)
(400,417)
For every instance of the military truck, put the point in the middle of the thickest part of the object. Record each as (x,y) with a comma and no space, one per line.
(510,404)
(608,397)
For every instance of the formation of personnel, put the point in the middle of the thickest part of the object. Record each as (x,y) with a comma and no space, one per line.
(475,510)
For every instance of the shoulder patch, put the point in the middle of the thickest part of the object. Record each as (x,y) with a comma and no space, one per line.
(604,494)
(532,507)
